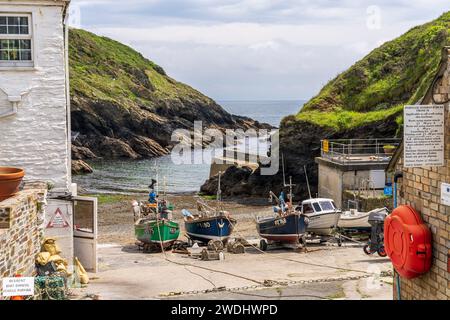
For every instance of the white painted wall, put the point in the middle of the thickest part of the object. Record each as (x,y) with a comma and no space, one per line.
(36,137)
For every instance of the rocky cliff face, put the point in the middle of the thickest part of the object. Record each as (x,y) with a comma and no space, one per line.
(366,101)
(125,106)
(300,144)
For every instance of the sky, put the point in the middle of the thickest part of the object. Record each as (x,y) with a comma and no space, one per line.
(254,49)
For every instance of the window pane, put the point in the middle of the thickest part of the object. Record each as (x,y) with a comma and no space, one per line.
(13,21)
(3,30)
(23,30)
(83,218)
(317,207)
(326,206)
(25,44)
(3,20)
(4,55)
(13,29)
(25,55)
(4,44)
(14,55)
(14,44)
(307,208)
(24,21)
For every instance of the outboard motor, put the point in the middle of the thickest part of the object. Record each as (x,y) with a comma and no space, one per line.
(376,241)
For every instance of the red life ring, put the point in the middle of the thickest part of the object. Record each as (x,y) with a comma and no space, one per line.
(407,241)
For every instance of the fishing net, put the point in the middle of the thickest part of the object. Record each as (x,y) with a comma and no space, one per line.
(50,287)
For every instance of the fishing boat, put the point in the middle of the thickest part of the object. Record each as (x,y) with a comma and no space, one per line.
(156,233)
(287,226)
(154,227)
(355,220)
(209,223)
(323,215)
(206,228)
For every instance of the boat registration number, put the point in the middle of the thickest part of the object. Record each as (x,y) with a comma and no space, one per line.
(204,225)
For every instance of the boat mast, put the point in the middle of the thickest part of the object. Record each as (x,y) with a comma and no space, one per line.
(307,181)
(290,193)
(290,185)
(219,192)
(157,188)
(164,188)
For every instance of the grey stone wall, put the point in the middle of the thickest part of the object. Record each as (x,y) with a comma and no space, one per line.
(21,232)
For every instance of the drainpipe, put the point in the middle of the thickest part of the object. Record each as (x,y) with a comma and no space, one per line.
(67,81)
(397,175)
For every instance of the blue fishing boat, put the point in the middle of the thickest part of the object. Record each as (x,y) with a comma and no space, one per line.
(286,225)
(204,228)
(288,228)
(209,223)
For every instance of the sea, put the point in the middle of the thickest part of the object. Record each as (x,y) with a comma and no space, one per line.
(134,176)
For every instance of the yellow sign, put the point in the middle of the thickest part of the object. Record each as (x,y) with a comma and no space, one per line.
(325,146)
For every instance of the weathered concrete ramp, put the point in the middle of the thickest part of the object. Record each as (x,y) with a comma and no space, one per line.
(126,273)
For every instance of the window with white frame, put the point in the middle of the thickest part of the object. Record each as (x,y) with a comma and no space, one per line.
(15,40)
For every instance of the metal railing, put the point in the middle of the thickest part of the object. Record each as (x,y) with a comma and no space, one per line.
(359,150)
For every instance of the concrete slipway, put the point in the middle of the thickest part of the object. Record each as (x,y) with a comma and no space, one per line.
(126,273)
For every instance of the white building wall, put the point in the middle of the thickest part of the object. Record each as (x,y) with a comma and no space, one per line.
(36,137)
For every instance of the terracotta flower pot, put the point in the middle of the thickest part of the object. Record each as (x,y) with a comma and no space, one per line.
(10,179)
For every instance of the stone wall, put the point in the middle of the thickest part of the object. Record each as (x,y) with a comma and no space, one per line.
(421,189)
(21,222)
(36,137)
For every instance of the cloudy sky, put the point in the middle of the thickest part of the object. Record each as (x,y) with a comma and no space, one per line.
(254,49)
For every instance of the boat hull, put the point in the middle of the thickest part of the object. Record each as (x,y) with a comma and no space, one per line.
(358,221)
(286,229)
(355,223)
(157,232)
(323,223)
(211,228)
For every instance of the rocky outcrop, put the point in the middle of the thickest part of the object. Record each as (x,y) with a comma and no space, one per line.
(81,167)
(234,184)
(125,106)
(300,144)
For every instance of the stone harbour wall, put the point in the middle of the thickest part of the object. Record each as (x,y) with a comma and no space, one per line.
(21,228)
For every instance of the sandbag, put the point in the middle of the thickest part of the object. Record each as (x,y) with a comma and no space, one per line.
(49,245)
(42,258)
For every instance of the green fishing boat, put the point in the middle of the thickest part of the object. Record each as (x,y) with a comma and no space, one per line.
(156,232)
(154,227)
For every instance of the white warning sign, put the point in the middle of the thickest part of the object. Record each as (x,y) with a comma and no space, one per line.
(58,220)
(424,136)
(21,286)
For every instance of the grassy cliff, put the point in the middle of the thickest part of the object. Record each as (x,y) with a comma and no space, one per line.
(102,68)
(124,105)
(364,102)
(379,85)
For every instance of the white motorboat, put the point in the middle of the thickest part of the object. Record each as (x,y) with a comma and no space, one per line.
(356,220)
(323,215)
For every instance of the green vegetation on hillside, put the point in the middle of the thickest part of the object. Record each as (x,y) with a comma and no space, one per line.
(391,76)
(107,70)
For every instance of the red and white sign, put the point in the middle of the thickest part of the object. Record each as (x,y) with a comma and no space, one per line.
(58,220)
